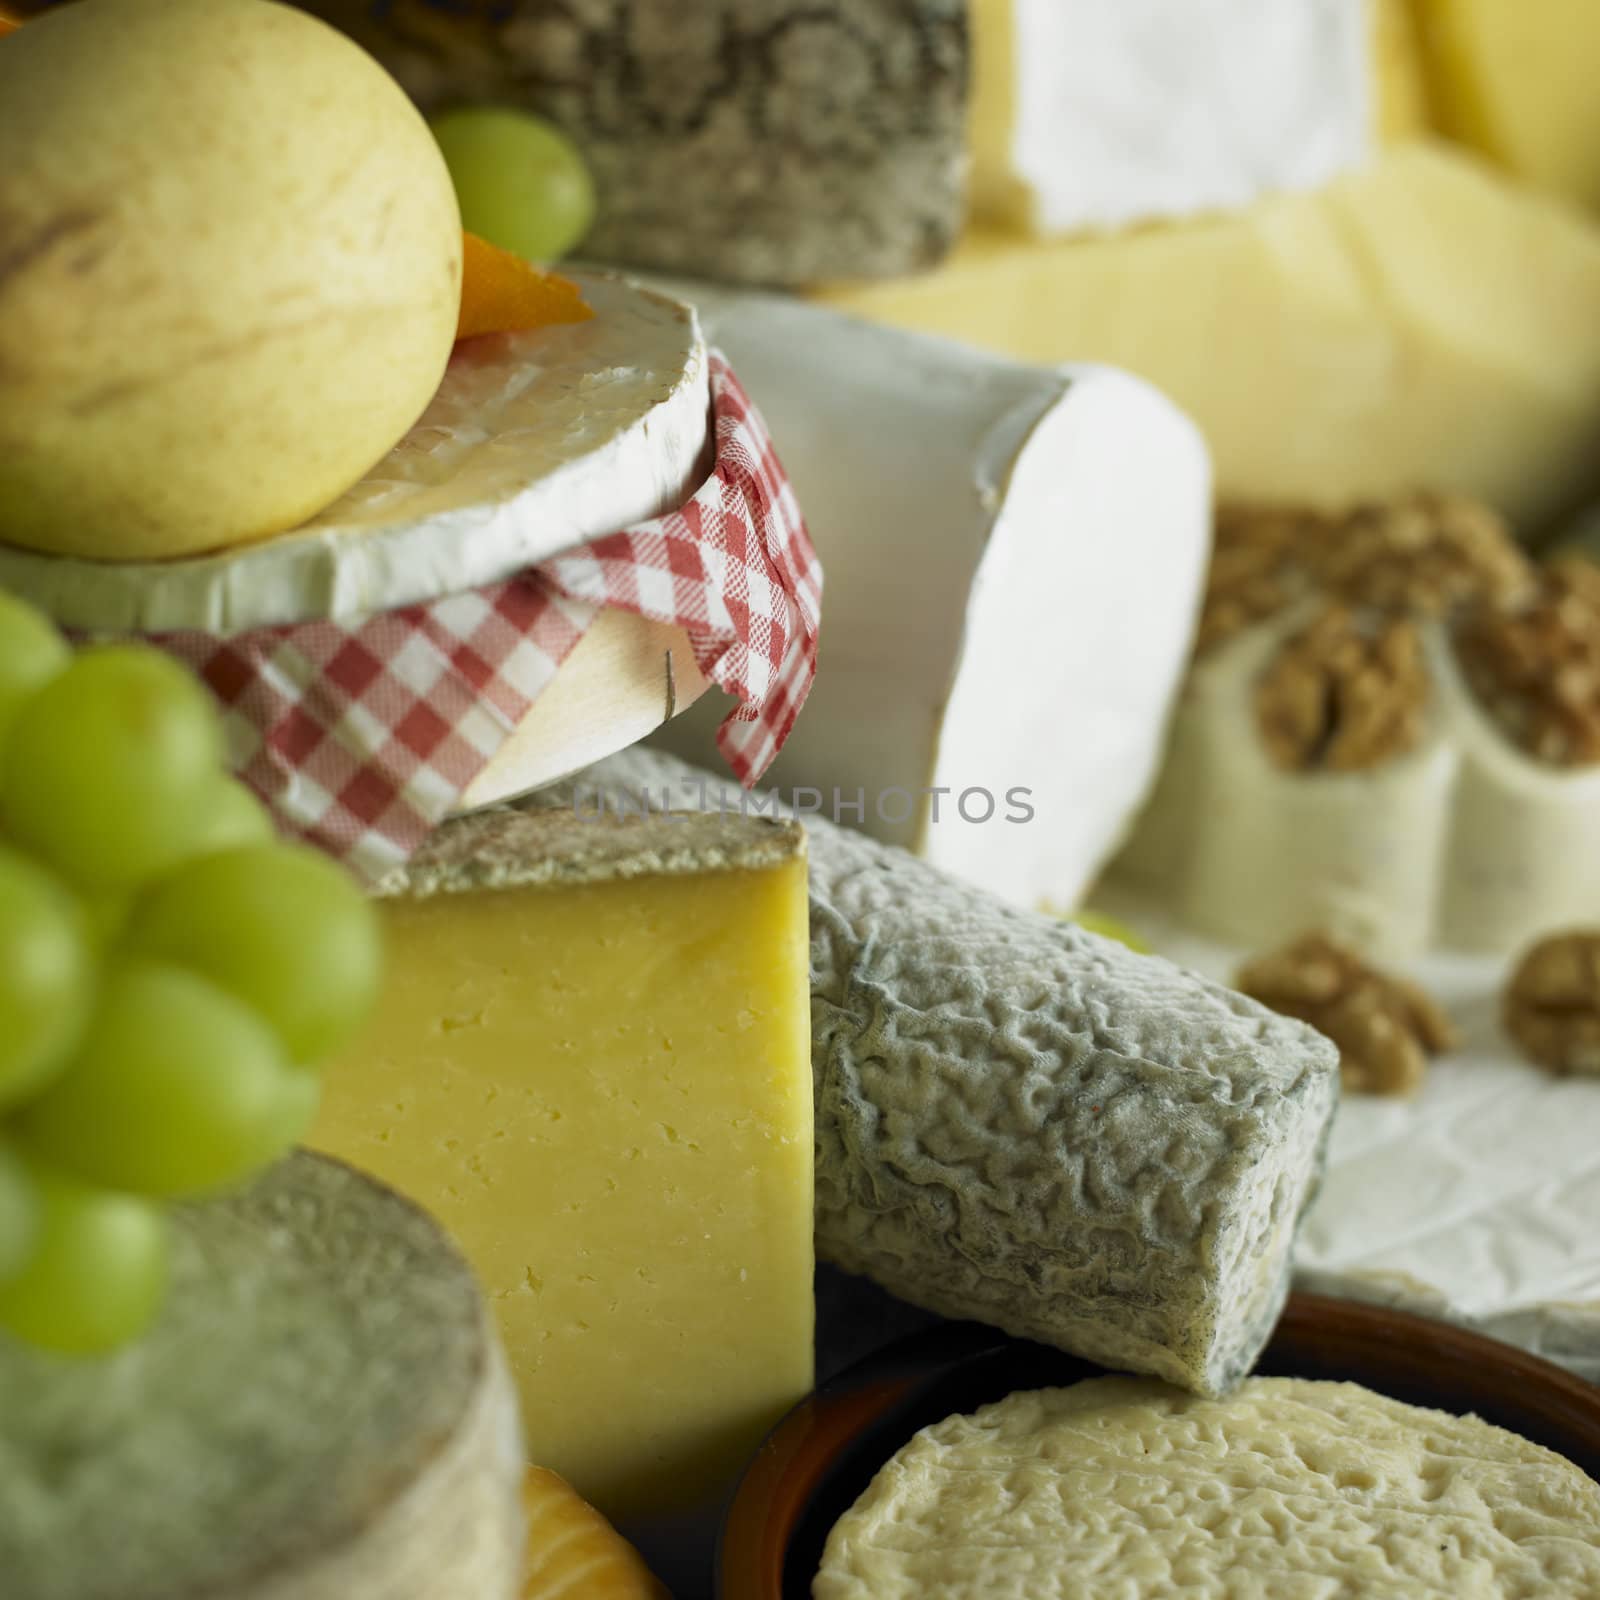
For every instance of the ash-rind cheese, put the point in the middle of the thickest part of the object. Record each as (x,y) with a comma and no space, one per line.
(321,1413)
(758,141)
(1022,1123)
(1288,1488)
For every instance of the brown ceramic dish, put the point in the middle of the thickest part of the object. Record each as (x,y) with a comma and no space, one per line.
(825,1452)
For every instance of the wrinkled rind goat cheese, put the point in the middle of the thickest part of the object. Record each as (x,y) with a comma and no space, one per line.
(1124,1486)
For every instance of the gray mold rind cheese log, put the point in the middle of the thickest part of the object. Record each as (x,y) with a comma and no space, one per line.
(756,141)
(1024,1124)
(322,1412)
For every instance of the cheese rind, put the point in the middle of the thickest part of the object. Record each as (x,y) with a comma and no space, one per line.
(1022,1123)
(1091,116)
(1421,322)
(534,442)
(591,1058)
(1014,556)
(321,1413)
(1308,1487)
(757,141)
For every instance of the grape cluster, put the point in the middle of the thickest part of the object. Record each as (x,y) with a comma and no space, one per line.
(171,977)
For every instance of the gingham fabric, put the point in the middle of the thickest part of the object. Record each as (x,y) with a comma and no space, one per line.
(363,734)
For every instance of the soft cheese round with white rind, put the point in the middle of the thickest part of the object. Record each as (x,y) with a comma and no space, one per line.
(322,1413)
(534,442)
(1289,1487)
(1025,1124)
(1015,558)
(1463,841)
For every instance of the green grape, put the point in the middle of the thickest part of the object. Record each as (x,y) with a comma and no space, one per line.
(108,767)
(19,1213)
(281,927)
(97,1274)
(178,1088)
(233,817)
(46,976)
(298,1107)
(1110,928)
(32,652)
(520,182)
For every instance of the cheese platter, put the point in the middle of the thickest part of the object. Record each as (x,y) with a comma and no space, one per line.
(501,1010)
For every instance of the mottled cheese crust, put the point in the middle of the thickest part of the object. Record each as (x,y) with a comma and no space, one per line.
(1120,1487)
(1022,1123)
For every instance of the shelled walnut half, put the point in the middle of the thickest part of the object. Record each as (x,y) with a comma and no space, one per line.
(1423,554)
(1536,667)
(1385,1027)
(1552,1003)
(1345,694)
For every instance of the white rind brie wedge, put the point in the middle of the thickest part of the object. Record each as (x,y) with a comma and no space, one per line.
(1014,559)
(534,443)
(1463,841)
(322,1412)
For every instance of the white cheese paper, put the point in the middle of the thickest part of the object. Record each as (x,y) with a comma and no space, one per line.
(1479,1201)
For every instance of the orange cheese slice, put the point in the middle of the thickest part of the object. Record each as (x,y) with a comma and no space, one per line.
(574,1552)
(502,293)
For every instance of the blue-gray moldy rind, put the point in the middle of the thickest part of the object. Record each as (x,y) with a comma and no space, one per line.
(322,1345)
(1024,1124)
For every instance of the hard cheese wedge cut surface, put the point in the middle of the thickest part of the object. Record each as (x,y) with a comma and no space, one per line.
(1290,1487)
(1014,561)
(1515,79)
(322,1413)
(1422,322)
(1088,116)
(591,1059)
(1022,1123)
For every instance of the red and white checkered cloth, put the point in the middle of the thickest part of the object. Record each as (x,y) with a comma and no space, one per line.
(363,734)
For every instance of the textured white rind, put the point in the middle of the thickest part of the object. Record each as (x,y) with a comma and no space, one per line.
(1014,556)
(1144,110)
(1024,1124)
(322,1413)
(535,442)
(1475,1201)
(1288,1488)
(1463,842)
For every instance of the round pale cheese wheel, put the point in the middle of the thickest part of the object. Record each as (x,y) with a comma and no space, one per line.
(322,1413)
(1122,1486)
(232,271)
(532,443)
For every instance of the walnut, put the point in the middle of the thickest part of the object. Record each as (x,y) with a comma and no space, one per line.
(1552,1003)
(1385,1027)
(1423,554)
(1344,694)
(1536,667)
(1257,566)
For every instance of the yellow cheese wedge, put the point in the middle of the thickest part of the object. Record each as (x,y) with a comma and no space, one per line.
(592,1063)
(1400,95)
(1423,322)
(574,1553)
(1516,79)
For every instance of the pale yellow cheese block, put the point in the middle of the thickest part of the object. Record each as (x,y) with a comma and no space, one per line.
(1423,322)
(1516,79)
(592,1063)
(1400,95)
